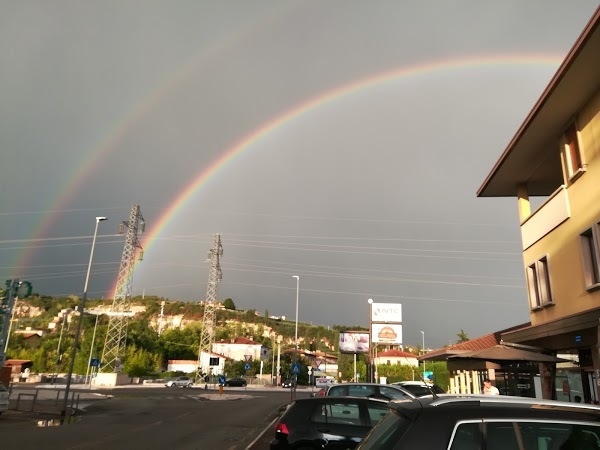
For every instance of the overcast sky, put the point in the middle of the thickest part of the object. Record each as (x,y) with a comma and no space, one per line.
(362,131)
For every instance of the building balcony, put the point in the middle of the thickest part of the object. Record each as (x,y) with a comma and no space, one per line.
(554,211)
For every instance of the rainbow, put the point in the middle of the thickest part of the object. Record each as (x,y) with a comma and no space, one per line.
(125,121)
(206,174)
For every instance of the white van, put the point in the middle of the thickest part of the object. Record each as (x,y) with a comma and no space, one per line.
(323,382)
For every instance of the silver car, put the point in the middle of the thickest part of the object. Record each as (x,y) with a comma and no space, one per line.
(184,382)
(371,390)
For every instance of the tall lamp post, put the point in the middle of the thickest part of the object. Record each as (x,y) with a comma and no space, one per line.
(370,301)
(423,336)
(296,335)
(81,312)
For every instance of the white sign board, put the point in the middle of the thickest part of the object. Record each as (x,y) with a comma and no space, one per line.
(386,312)
(387,333)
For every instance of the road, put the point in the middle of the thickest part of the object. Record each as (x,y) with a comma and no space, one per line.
(159,418)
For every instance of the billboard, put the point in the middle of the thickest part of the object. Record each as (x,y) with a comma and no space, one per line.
(386,333)
(354,342)
(386,312)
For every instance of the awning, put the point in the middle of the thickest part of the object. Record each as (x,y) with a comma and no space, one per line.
(504,354)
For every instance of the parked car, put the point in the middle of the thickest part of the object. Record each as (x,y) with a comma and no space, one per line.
(288,383)
(327,422)
(184,382)
(236,382)
(419,388)
(3,398)
(320,393)
(475,422)
(371,390)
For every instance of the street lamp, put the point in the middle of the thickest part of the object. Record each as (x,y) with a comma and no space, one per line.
(81,312)
(296,337)
(423,336)
(370,301)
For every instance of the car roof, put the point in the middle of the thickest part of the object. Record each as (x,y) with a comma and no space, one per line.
(367,384)
(337,399)
(412,407)
(397,388)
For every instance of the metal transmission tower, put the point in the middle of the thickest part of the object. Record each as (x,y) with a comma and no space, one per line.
(116,334)
(207,338)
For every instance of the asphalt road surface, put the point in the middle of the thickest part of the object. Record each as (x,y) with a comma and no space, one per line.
(155,418)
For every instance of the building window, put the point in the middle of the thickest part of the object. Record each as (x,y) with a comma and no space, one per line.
(538,281)
(572,151)
(590,248)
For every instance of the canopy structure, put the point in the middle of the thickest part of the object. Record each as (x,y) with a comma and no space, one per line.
(505,354)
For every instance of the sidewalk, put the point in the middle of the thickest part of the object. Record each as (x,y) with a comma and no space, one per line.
(35,403)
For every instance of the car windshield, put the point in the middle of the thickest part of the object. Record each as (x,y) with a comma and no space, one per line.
(387,432)
(421,390)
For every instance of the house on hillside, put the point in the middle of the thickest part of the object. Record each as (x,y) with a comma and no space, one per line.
(33,338)
(394,356)
(555,156)
(190,366)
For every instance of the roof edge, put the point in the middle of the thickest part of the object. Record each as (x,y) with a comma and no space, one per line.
(558,76)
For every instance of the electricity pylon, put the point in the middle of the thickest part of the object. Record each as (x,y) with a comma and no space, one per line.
(116,334)
(207,337)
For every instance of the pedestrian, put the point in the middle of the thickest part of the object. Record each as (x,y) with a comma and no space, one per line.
(488,389)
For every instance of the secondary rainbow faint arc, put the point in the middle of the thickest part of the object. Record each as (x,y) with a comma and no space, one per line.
(90,159)
(304,107)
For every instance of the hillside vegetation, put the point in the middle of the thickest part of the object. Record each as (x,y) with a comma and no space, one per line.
(180,328)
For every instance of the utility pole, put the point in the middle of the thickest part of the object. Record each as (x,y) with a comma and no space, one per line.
(13,289)
(116,334)
(209,320)
(160,323)
(278,361)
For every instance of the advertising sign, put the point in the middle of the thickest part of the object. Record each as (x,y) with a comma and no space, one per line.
(354,342)
(386,312)
(387,333)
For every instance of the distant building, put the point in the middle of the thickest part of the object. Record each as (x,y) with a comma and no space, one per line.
(33,338)
(555,156)
(191,365)
(396,357)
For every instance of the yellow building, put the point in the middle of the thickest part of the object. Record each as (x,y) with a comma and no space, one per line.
(552,166)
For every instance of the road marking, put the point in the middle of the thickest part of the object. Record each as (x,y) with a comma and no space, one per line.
(262,432)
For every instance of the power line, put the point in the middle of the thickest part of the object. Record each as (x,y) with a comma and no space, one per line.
(371,294)
(279,263)
(374,239)
(376,253)
(59,245)
(358,247)
(372,278)
(362,219)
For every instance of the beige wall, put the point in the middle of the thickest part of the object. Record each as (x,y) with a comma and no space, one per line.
(562,245)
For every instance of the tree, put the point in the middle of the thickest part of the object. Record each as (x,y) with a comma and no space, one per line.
(228,304)
(462,336)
